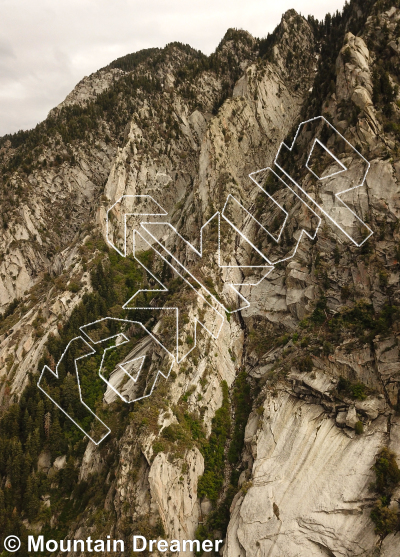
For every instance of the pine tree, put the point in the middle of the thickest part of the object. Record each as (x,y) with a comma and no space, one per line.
(70,394)
(39,419)
(26,468)
(35,445)
(32,502)
(2,510)
(27,424)
(69,476)
(15,463)
(47,424)
(56,437)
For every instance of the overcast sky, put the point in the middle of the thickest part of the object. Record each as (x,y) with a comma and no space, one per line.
(47,46)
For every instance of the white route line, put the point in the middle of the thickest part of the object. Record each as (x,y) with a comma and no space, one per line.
(337,195)
(119,344)
(312,237)
(92,351)
(271,198)
(182,271)
(148,197)
(331,154)
(170,254)
(129,362)
(176,309)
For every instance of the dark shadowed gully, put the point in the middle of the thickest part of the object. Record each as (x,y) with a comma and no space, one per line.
(229,342)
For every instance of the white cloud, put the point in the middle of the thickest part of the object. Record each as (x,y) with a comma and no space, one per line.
(47,46)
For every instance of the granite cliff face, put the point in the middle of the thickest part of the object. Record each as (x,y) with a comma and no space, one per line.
(267,436)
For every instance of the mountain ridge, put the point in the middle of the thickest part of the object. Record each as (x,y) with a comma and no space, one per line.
(273,436)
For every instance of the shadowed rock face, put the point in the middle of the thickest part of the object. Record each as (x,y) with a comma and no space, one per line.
(299,390)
